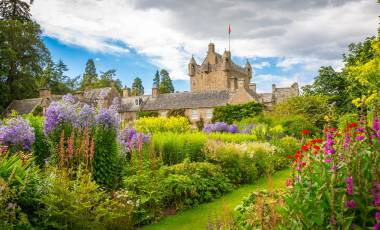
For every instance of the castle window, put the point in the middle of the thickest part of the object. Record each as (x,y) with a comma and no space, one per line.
(209,114)
(194,114)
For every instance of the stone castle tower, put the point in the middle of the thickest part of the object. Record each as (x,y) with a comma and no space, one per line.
(219,72)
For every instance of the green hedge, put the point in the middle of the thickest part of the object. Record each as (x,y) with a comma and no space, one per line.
(230,113)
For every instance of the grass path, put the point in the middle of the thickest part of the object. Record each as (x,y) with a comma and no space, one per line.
(196,218)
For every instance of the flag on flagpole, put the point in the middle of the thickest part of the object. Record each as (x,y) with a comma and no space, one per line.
(229,29)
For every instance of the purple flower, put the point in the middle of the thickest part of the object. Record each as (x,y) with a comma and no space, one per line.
(107,118)
(349,185)
(59,113)
(86,116)
(68,99)
(376,226)
(17,133)
(247,130)
(350,204)
(328,160)
(377,215)
(347,140)
(359,138)
(116,104)
(333,168)
(129,139)
(360,129)
(329,146)
(233,129)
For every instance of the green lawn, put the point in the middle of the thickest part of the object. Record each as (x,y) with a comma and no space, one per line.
(196,218)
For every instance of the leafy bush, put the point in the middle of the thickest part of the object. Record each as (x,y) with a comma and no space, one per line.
(107,170)
(19,187)
(175,147)
(259,211)
(244,163)
(347,119)
(190,184)
(314,108)
(147,114)
(293,125)
(41,146)
(162,124)
(230,113)
(79,203)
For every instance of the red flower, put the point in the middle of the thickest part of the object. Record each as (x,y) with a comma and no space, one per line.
(290,156)
(303,163)
(316,147)
(351,125)
(305,131)
(305,148)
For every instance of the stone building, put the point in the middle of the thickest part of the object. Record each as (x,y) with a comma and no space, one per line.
(217,81)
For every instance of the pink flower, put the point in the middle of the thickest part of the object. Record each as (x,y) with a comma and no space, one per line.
(349,185)
(359,138)
(328,160)
(350,204)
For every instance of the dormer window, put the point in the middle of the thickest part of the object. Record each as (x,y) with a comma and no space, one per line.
(138,101)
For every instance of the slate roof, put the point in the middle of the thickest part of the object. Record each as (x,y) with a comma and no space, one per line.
(96,94)
(128,104)
(24,106)
(187,100)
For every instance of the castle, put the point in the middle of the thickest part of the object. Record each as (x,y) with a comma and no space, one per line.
(217,81)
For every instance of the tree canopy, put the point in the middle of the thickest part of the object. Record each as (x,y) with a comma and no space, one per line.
(137,87)
(166,84)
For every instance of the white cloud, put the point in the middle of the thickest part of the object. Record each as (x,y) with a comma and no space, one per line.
(309,33)
(260,65)
(97,59)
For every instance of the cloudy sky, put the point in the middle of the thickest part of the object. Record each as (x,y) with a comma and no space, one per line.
(285,40)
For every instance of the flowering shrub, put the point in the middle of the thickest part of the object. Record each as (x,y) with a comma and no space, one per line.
(162,124)
(107,118)
(130,139)
(335,181)
(17,134)
(220,127)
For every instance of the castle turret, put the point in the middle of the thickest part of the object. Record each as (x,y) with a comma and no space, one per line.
(248,67)
(226,63)
(192,65)
(211,48)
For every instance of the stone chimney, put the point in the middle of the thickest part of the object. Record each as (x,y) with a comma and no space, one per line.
(155,91)
(126,92)
(44,92)
(241,83)
(252,86)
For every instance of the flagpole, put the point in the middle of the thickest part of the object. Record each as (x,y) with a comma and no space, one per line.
(229,38)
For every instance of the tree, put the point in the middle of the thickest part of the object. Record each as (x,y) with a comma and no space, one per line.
(156,79)
(166,84)
(331,84)
(107,80)
(90,77)
(15,10)
(23,58)
(137,87)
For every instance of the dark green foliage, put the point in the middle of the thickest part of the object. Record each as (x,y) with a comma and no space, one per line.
(200,124)
(176,113)
(156,79)
(137,87)
(293,125)
(90,77)
(166,84)
(15,10)
(147,114)
(38,111)
(41,146)
(24,57)
(190,184)
(175,187)
(230,113)
(105,164)
(20,182)
(333,85)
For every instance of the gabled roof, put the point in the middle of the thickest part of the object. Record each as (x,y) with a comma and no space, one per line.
(24,106)
(187,100)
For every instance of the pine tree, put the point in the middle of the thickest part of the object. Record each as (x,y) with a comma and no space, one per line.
(15,10)
(137,87)
(156,79)
(90,77)
(166,84)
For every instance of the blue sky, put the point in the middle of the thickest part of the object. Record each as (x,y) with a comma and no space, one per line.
(284,40)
